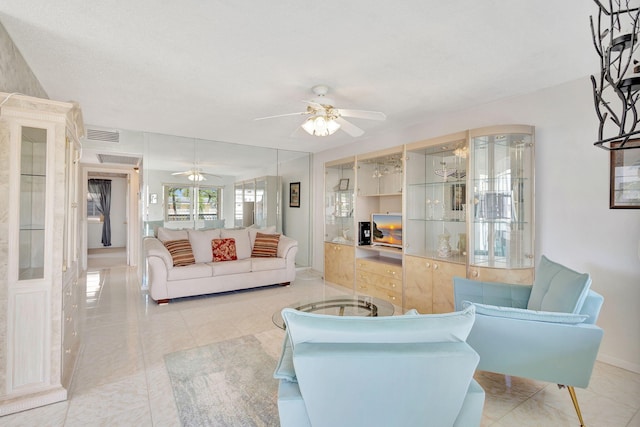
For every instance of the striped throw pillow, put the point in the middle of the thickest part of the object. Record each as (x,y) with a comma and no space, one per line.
(266,245)
(224,249)
(180,251)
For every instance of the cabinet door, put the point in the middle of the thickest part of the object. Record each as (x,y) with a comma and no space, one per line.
(443,274)
(338,264)
(501,234)
(418,285)
(523,276)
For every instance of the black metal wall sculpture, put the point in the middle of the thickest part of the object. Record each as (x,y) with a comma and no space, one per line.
(616,91)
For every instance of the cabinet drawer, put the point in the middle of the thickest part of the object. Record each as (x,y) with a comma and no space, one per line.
(394,296)
(380,267)
(382,282)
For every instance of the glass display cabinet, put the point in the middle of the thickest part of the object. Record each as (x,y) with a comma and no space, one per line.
(39,294)
(436,213)
(501,200)
(33,196)
(339,225)
(339,184)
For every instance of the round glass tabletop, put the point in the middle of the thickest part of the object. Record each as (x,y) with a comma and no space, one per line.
(345,305)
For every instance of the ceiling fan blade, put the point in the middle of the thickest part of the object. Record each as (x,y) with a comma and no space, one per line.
(362,114)
(181,173)
(349,128)
(301,113)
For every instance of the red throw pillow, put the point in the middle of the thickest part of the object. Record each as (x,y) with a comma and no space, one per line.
(180,251)
(224,249)
(266,245)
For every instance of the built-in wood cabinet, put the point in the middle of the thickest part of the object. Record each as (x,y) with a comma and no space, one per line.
(467,209)
(380,277)
(339,264)
(39,297)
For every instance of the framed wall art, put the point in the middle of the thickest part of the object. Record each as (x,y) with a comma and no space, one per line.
(294,195)
(624,186)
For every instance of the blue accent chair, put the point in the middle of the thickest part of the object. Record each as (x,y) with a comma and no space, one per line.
(545,331)
(411,370)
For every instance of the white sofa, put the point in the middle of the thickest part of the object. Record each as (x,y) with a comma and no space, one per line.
(167,281)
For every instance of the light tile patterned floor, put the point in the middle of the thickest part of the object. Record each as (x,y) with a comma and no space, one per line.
(121,379)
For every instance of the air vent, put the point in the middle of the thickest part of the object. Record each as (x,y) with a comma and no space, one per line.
(120,160)
(103,135)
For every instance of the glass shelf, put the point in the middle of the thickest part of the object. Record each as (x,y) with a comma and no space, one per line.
(339,202)
(501,232)
(33,167)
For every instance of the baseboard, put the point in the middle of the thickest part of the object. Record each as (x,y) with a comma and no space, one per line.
(624,364)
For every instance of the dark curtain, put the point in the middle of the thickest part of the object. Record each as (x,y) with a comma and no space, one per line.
(100,191)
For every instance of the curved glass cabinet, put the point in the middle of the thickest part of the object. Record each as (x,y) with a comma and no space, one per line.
(501,200)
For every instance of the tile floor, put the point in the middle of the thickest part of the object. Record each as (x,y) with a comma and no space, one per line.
(121,379)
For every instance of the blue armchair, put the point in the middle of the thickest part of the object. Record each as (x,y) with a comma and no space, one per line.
(545,331)
(378,371)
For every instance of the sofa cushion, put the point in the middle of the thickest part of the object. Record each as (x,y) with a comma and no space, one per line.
(558,288)
(201,243)
(253,231)
(193,271)
(231,267)
(265,245)
(180,251)
(223,250)
(266,264)
(243,244)
(165,234)
(421,328)
(526,314)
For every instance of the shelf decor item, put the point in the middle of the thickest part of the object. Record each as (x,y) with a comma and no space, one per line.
(344,184)
(444,247)
(616,90)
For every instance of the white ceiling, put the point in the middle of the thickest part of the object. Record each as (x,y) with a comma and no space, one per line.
(207,68)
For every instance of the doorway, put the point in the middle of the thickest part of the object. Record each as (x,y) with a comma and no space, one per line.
(124,247)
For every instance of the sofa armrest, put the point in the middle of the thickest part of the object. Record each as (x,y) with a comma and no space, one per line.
(499,294)
(286,246)
(154,247)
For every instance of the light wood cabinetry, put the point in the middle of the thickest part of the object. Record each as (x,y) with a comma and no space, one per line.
(380,278)
(338,264)
(466,201)
(39,294)
(429,284)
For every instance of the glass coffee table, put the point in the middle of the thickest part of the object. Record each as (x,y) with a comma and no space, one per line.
(345,305)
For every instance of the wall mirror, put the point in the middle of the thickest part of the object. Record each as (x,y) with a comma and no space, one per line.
(195,183)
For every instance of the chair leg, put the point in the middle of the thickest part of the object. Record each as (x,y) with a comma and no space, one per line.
(574,399)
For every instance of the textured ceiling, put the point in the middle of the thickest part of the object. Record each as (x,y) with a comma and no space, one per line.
(206,69)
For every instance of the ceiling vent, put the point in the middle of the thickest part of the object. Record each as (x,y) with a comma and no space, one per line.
(120,160)
(103,135)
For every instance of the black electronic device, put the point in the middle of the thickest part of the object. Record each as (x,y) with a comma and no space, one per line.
(364,233)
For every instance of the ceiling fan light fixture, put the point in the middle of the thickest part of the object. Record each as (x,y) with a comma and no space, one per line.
(320,126)
(196,176)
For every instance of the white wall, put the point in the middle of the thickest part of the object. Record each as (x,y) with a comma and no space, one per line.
(296,220)
(15,74)
(574,225)
(118,218)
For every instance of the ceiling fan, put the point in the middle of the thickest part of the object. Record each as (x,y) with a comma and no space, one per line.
(195,174)
(325,119)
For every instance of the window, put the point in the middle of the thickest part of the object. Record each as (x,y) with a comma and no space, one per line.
(188,203)
(92,206)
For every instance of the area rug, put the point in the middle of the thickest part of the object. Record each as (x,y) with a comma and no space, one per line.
(228,383)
